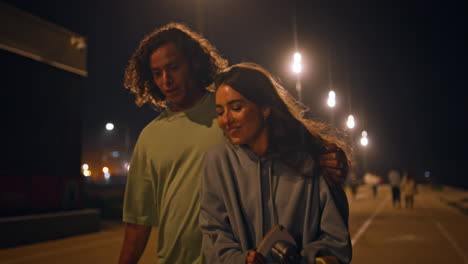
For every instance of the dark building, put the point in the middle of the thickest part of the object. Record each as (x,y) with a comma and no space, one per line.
(43,73)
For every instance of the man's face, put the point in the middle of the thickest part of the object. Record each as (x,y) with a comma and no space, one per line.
(172,74)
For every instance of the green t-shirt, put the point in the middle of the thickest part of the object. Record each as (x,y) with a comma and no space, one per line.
(164,179)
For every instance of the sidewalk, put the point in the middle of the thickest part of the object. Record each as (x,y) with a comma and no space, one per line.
(455,197)
(21,230)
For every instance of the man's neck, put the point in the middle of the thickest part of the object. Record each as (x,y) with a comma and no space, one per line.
(185,106)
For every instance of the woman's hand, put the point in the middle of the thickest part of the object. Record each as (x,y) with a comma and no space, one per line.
(253,257)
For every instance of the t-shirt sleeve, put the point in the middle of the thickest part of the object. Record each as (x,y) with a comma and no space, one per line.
(139,200)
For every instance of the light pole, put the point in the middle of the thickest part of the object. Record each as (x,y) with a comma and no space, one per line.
(118,137)
(364,142)
(126,131)
(351,124)
(331,102)
(297,69)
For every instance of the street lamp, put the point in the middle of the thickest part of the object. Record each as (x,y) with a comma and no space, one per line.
(364,140)
(364,143)
(331,99)
(109,126)
(350,123)
(297,69)
(297,66)
(331,102)
(115,136)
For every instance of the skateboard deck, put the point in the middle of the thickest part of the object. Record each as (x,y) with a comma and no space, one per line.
(279,233)
(276,233)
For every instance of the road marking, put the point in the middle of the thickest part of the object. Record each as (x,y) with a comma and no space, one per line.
(450,239)
(366,224)
(409,237)
(445,233)
(30,258)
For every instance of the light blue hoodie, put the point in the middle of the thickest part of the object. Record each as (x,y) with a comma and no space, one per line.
(243,196)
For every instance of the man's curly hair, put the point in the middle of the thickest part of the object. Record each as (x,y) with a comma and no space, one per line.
(204,59)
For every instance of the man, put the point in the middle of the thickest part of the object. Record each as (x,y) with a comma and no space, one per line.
(394,178)
(171,69)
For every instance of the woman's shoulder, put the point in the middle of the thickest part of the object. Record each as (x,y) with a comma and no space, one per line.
(221,149)
(228,153)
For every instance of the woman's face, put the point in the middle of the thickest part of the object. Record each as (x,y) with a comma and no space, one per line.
(242,120)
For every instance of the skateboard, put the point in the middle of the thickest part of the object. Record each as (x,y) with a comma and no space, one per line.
(283,248)
(280,244)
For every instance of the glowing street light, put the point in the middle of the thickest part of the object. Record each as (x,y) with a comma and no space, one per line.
(297,69)
(350,123)
(109,126)
(364,143)
(331,99)
(364,140)
(297,66)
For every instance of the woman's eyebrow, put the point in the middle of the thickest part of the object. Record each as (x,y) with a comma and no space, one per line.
(231,102)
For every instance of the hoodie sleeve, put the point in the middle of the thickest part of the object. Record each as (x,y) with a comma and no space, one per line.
(219,243)
(333,238)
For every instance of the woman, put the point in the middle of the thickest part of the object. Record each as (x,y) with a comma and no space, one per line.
(408,189)
(266,175)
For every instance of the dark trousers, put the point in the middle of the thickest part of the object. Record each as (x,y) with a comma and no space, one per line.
(395,194)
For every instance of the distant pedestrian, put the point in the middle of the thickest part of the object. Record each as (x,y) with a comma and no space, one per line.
(374,190)
(373,180)
(408,189)
(375,186)
(353,183)
(394,178)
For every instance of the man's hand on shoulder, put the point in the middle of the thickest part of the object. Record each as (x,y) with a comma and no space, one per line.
(334,165)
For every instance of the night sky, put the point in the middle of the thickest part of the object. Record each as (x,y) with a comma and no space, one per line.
(397,67)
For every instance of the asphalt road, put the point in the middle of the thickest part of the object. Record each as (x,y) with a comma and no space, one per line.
(432,232)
